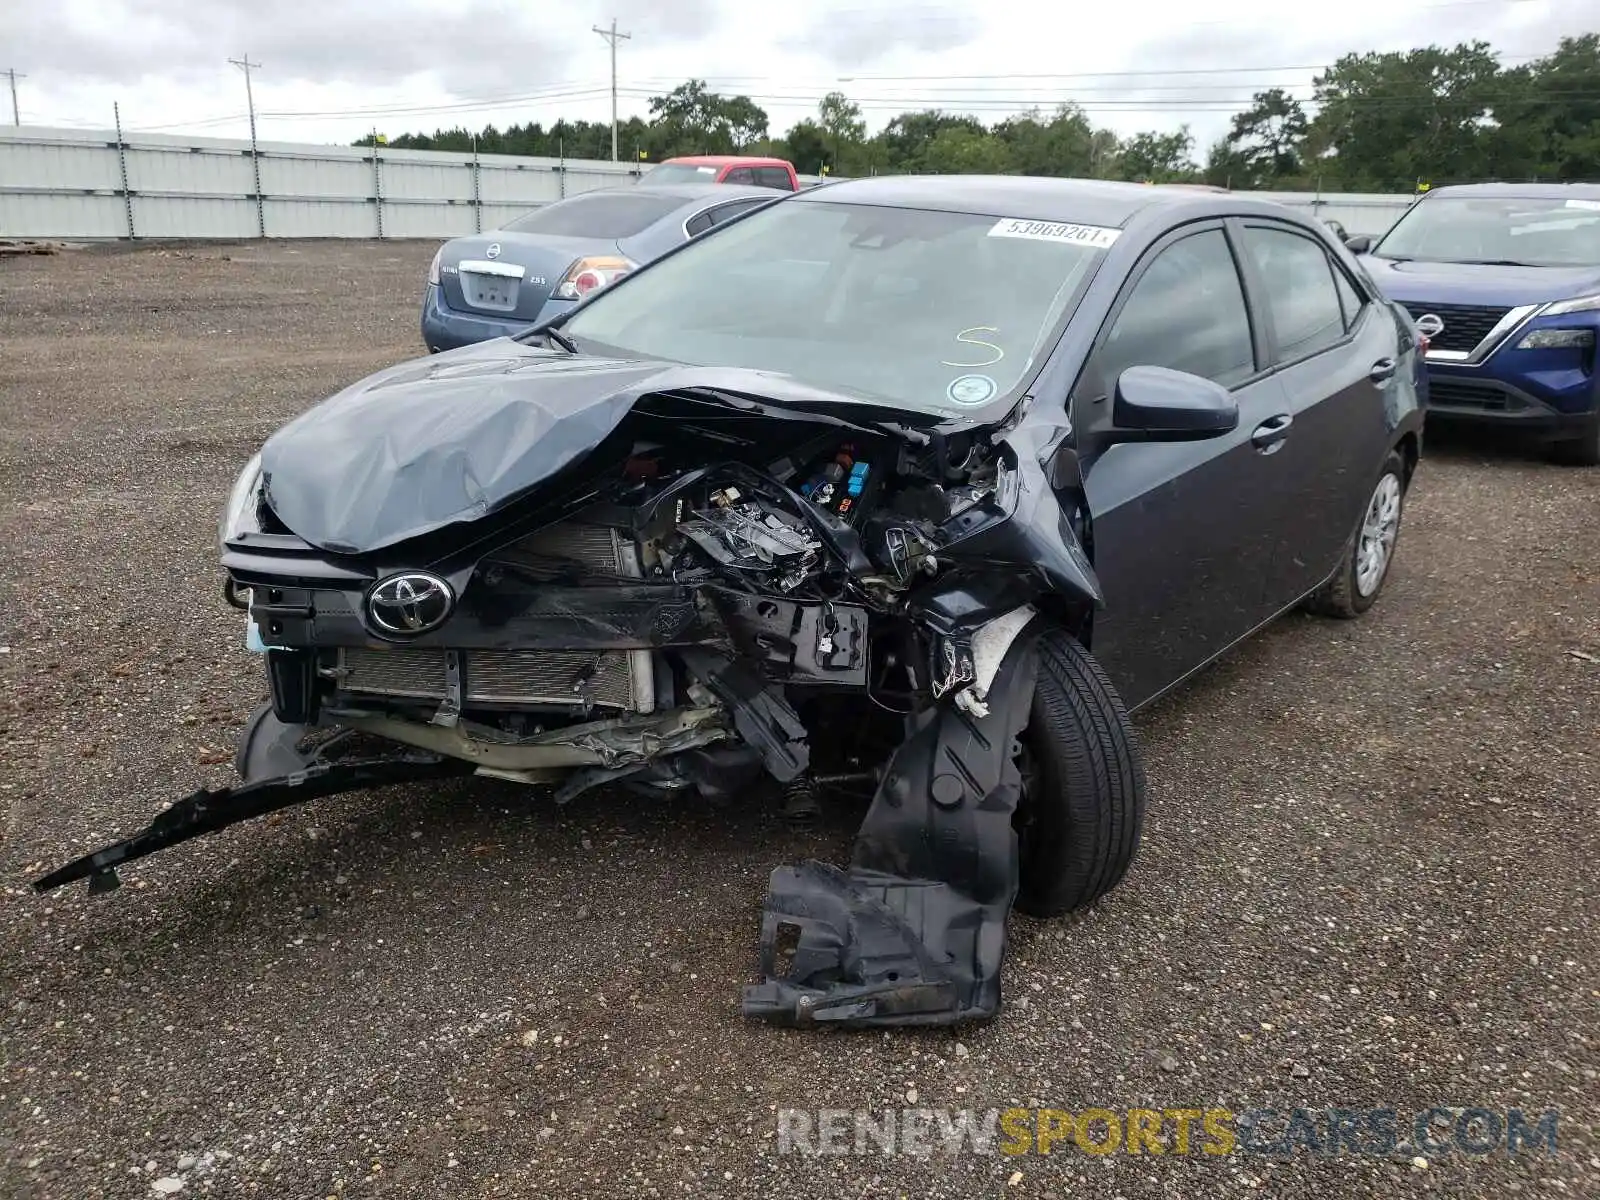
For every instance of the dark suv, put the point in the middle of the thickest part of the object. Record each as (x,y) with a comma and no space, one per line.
(1504,281)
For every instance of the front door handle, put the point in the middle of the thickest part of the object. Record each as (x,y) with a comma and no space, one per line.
(1383,369)
(1269,435)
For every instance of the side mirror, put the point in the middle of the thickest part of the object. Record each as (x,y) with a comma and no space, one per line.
(1358,244)
(1157,404)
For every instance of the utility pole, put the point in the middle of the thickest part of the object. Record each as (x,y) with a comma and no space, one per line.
(16,115)
(246,65)
(611,35)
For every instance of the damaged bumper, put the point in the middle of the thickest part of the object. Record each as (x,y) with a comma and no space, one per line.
(207,811)
(913,932)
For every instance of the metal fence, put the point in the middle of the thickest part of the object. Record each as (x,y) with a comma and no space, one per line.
(71,184)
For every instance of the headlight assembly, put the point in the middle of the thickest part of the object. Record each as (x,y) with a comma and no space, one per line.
(1557,339)
(241,499)
(1579,305)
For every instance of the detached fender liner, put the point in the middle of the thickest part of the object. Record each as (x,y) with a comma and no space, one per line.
(914,932)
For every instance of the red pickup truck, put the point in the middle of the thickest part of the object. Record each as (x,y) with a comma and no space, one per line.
(727,168)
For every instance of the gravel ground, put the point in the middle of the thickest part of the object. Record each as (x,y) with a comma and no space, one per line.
(1368,879)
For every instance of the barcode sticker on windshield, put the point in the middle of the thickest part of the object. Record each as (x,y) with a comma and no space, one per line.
(1095,236)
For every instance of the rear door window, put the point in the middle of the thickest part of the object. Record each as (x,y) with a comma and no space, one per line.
(727,212)
(1301,295)
(597,214)
(1187,313)
(774,177)
(740,175)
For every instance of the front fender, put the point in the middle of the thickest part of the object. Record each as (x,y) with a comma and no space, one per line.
(1025,523)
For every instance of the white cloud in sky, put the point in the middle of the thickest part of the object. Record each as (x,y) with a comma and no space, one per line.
(330,69)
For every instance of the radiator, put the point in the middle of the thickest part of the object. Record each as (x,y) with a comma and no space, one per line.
(557,677)
(617,679)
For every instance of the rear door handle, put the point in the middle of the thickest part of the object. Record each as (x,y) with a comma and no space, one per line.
(1269,435)
(1382,369)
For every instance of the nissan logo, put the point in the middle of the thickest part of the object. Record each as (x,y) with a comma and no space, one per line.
(1430,325)
(493,251)
(410,604)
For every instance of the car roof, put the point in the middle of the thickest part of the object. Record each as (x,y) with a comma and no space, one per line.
(722,160)
(1078,201)
(1521,191)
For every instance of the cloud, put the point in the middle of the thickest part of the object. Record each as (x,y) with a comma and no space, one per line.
(473,47)
(850,38)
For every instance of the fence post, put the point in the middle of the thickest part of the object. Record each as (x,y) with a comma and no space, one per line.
(122,167)
(561,169)
(477,190)
(377,183)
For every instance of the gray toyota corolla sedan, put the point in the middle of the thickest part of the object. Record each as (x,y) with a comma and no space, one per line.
(535,268)
(907,486)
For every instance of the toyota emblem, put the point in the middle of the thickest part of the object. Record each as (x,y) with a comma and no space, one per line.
(410,604)
(1430,325)
(493,251)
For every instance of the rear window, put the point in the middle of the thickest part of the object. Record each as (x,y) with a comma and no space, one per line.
(597,214)
(681,173)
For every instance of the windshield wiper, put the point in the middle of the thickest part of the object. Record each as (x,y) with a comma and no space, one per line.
(1493,262)
(552,334)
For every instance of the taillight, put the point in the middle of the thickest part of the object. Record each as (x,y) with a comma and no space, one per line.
(433,267)
(589,275)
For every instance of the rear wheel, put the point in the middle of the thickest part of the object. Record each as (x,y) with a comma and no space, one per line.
(1354,587)
(1082,807)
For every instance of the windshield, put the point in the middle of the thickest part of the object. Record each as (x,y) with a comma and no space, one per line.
(1543,232)
(598,215)
(930,311)
(680,173)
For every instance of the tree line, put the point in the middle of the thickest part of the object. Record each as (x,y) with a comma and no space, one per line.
(1374,122)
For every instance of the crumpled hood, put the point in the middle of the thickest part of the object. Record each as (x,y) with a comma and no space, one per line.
(454,436)
(1418,282)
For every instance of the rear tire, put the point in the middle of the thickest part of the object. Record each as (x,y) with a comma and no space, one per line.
(1353,588)
(1082,809)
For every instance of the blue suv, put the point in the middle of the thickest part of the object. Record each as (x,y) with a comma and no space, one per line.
(1504,282)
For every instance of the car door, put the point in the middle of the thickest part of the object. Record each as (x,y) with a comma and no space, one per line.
(1183,533)
(1335,356)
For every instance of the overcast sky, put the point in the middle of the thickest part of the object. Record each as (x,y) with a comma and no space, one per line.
(410,65)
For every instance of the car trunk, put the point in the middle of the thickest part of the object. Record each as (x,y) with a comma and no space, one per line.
(514,283)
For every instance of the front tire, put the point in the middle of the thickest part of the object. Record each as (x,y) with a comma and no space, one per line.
(1364,566)
(1082,809)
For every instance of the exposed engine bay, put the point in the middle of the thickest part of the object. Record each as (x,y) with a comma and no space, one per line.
(721,591)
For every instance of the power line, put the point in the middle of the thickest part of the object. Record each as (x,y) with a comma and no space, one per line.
(613,37)
(16,113)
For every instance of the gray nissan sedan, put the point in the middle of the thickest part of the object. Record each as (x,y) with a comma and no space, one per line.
(489,285)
